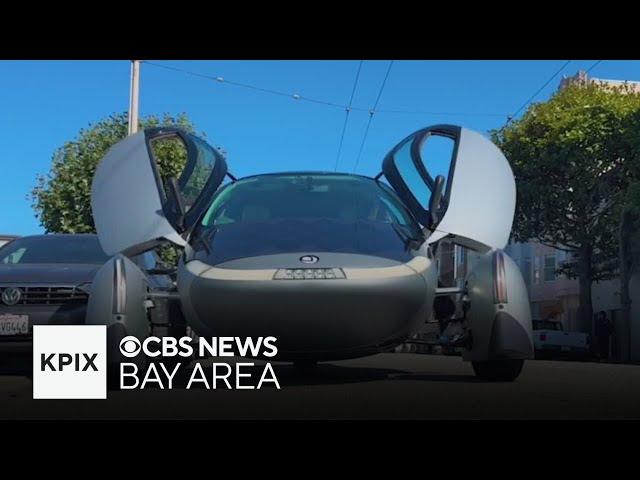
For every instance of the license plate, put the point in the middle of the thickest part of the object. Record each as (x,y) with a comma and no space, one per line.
(14,324)
(566,349)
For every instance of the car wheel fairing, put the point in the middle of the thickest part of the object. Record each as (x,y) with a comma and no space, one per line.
(499,315)
(118,295)
(117,300)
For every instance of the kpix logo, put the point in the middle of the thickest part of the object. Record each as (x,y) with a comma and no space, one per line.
(69,361)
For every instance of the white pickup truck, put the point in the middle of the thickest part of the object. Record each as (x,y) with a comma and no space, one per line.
(551,341)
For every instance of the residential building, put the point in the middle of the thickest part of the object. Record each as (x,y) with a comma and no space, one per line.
(549,293)
(582,77)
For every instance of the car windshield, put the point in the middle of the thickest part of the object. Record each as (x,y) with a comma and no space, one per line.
(276,214)
(53,249)
(307,197)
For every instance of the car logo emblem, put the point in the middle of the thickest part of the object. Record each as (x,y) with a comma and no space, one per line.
(309,259)
(11,295)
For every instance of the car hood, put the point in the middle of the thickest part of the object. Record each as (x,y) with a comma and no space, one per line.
(50,273)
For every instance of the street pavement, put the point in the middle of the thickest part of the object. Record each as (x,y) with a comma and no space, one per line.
(385,386)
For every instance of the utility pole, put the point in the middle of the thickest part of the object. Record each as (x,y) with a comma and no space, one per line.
(134,96)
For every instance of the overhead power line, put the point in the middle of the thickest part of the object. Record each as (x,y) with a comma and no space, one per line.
(371,113)
(594,66)
(514,115)
(220,79)
(346,117)
(443,114)
(296,96)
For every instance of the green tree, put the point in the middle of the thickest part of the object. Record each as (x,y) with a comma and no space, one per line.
(573,158)
(62,198)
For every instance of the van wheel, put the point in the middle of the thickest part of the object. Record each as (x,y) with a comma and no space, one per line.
(498,370)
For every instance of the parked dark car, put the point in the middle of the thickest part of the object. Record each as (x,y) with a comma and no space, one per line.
(46,280)
(4,239)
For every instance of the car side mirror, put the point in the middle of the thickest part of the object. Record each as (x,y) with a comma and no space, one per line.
(434,201)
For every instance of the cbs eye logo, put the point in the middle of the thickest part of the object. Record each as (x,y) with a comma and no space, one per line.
(130,346)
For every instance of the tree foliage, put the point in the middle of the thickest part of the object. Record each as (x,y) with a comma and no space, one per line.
(574,157)
(62,198)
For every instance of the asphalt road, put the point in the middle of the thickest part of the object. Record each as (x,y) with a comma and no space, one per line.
(385,386)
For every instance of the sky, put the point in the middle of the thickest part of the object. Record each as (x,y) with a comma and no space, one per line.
(45,103)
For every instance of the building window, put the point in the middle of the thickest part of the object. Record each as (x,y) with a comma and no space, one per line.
(536,269)
(549,268)
(462,253)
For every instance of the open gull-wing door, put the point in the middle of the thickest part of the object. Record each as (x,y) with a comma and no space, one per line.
(473,202)
(134,208)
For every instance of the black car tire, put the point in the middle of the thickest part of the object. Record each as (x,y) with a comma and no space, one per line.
(506,370)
